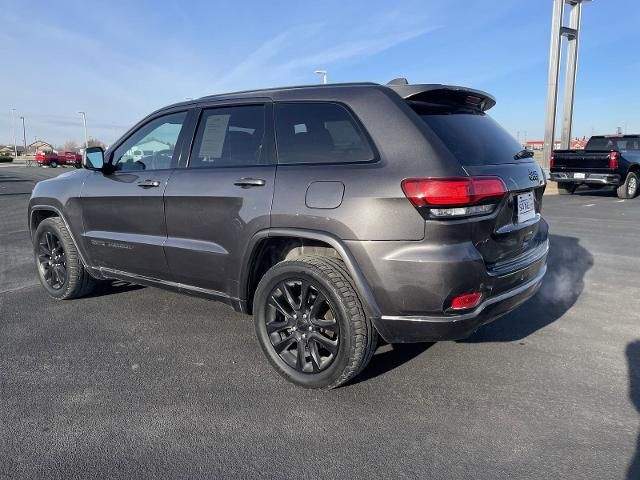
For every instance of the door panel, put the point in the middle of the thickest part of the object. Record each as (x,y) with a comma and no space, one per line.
(223,197)
(123,208)
(124,222)
(210,221)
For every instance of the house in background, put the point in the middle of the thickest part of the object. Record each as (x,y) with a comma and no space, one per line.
(39,146)
(9,150)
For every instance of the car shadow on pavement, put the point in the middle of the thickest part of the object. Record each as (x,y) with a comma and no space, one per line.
(388,357)
(105,288)
(567,264)
(633,358)
(604,191)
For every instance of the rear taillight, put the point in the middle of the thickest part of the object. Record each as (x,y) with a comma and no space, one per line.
(552,162)
(613,160)
(454,197)
(463,302)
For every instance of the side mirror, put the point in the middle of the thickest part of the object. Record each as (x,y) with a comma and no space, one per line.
(93,158)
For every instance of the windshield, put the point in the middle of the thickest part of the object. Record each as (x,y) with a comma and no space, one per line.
(473,137)
(613,143)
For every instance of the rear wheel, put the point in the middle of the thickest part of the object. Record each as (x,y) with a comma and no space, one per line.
(60,269)
(310,322)
(566,188)
(629,189)
(53,164)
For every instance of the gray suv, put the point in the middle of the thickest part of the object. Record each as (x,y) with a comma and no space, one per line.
(334,214)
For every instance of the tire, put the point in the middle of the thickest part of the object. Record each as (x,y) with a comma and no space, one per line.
(341,339)
(68,278)
(566,188)
(53,164)
(630,187)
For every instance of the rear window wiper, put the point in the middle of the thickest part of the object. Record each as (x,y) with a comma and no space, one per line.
(523,154)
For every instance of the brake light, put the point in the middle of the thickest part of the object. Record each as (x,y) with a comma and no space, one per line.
(468,300)
(613,160)
(552,161)
(424,192)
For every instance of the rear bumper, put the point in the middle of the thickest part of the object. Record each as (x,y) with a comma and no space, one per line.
(407,329)
(596,178)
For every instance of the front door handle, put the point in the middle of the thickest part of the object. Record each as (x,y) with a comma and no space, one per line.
(148,184)
(249,182)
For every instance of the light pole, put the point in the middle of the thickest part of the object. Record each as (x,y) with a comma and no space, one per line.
(324,75)
(84,122)
(24,135)
(13,129)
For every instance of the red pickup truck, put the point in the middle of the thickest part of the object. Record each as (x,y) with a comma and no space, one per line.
(52,159)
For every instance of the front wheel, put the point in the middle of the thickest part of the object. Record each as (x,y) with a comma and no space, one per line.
(310,322)
(53,164)
(629,189)
(60,269)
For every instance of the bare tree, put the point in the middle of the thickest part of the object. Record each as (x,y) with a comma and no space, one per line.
(69,146)
(94,142)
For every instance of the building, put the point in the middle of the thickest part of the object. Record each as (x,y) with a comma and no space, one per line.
(575,144)
(39,146)
(9,150)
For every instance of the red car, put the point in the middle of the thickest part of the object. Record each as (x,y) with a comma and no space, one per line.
(52,159)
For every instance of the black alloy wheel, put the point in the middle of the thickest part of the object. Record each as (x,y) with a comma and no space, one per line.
(310,322)
(52,260)
(302,326)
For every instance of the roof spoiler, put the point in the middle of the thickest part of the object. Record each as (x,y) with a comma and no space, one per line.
(436,93)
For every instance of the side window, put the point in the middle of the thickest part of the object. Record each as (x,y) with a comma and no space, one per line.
(152,147)
(319,133)
(229,137)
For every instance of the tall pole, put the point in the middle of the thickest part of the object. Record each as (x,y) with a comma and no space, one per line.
(84,122)
(24,135)
(324,75)
(570,75)
(552,81)
(14,128)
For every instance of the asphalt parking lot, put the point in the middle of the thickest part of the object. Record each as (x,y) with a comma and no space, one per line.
(143,383)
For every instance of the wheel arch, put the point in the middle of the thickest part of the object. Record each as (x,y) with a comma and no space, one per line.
(40,212)
(291,243)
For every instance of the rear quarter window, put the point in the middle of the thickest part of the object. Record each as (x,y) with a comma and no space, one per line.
(319,133)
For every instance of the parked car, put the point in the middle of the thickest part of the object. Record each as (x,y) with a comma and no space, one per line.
(605,160)
(333,214)
(48,159)
(53,159)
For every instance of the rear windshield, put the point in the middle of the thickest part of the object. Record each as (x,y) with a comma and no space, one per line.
(621,143)
(473,137)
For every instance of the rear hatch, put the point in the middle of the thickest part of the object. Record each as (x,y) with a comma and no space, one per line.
(513,232)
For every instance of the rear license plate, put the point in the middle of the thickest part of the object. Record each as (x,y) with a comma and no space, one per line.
(578,175)
(526,207)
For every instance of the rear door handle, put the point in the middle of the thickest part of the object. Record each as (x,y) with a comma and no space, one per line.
(148,184)
(249,182)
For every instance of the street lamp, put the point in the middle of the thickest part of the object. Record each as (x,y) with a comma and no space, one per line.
(13,129)
(24,135)
(84,122)
(324,75)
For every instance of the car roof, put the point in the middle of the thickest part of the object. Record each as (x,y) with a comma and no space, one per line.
(333,90)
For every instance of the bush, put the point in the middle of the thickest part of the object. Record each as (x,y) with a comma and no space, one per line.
(6,159)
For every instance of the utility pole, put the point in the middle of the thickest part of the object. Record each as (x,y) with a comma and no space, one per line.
(13,129)
(324,75)
(571,33)
(24,136)
(84,122)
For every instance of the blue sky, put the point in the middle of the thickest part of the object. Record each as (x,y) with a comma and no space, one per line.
(120,60)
